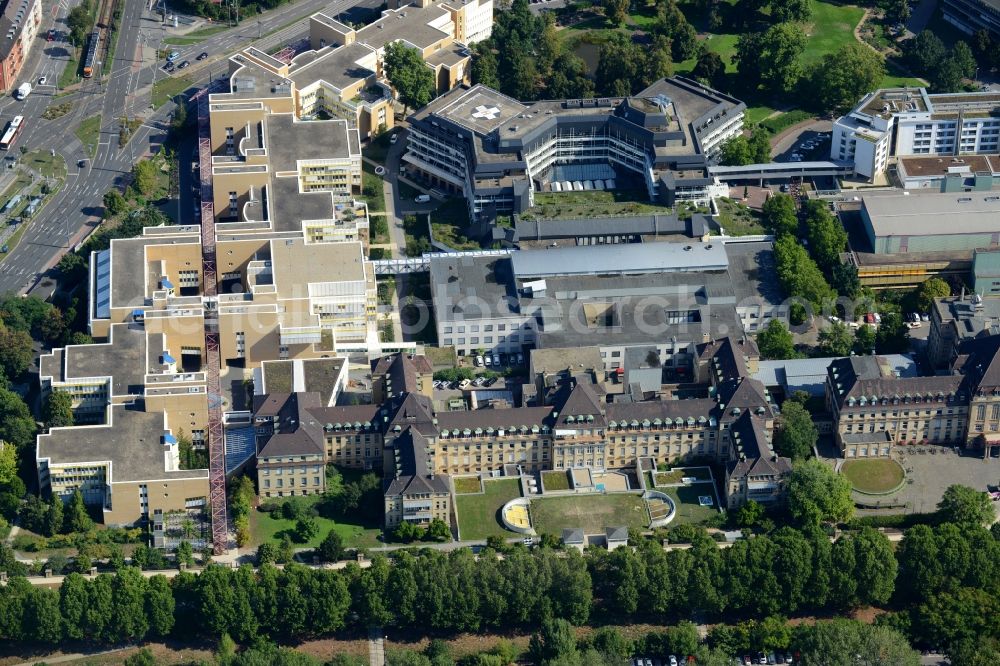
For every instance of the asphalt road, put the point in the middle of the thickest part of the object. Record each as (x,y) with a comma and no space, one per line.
(75,209)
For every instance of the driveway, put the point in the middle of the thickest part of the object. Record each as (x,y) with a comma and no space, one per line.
(787,141)
(920,16)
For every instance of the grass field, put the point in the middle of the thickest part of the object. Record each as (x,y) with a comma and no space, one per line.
(593,513)
(555,480)
(44,163)
(479,515)
(265,528)
(89,133)
(195,36)
(876,475)
(467,485)
(167,88)
(738,220)
(372,189)
(689,510)
(71,72)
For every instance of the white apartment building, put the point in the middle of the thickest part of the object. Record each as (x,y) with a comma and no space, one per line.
(899,122)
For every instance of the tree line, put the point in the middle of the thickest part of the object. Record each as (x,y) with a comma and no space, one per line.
(941,585)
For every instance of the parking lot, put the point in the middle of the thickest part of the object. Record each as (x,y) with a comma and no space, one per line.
(809,146)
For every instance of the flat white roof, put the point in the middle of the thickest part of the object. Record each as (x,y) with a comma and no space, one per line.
(933,214)
(619,259)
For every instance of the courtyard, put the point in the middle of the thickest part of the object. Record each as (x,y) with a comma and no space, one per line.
(591,512)
(479,514)
(874,475)
(928,475)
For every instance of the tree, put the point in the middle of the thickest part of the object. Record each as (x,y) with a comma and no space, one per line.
(797,435)
(964,61)
(553,642)
(891,336)
(709,67)
(844,279)
(185,553)
(749,514)
(929,290)
(896,11)
(159,605)
(484,65)
(8,463)
(770,59)
(305,529)
(780,215)
(144,177)
(775,342)
(616,11)
(409,75)
(925,51)
(114,203)
(736,151)
(816,493)
(58,409)
(841,78)
(54,516)
(790,10)
(760,145)
(331,548)
(16,352)
(799,274)
(966,506)
(848,643)
(79,21)
(438,530)
(76,517)
(953,617)
(827,237)
(42,621)
(406,532)
(835,339)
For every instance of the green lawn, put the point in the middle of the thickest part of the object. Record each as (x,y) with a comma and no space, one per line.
(195,36)
(266,528)
(372,189)
(167,88)
(479,515)
(89,133)
(44,163)
(377,148)
(675,475)
(71,72)
(467,485)
(689,510)
(556,480)
(757,114)
(593,513)
(875,475)
(830,27)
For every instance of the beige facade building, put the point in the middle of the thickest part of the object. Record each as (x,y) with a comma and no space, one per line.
(875,411)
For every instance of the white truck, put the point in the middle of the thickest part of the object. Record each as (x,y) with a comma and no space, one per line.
(23,91)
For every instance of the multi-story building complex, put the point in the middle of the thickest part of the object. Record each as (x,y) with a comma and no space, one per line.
(896,122)
(19,23)
(970,16)
(131,402)
(497,152)
(986,272)
(573,425)
(342,77)
(873,410)
(956,319)
(670,296)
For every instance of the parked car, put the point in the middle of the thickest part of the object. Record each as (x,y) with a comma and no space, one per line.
(465,383)
(490,382)
(202,55)
(422,198)
(42,80)
(394,138)
(496,359)
(488,360)
(673,660)
(51,35)
(183,64)
(173,55)
(479,360)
